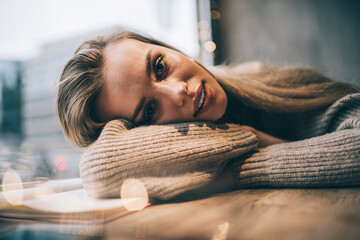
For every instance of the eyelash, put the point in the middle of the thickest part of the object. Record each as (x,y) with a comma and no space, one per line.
(150,107)
(159,61)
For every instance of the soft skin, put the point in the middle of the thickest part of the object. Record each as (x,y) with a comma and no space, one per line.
(164,80)
(169,91)
(169,96)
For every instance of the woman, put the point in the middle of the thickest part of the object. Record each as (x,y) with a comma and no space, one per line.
(145,110)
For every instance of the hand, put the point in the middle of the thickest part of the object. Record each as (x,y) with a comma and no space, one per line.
(264,138)
(222,183)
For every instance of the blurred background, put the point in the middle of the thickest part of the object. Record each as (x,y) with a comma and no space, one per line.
(38,36)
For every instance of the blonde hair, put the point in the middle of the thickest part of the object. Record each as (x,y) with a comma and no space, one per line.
(265,87)
(81,82)
(279,89)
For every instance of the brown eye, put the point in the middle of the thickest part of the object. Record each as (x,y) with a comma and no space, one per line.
(149,112)
(159,67)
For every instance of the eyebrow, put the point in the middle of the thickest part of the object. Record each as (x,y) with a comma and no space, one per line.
(138,108)
(148,73)
(148,63)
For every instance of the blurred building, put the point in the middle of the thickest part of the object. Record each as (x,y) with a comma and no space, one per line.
(28,91)
(11,119)
(41,128)
(10,104)
(10,99)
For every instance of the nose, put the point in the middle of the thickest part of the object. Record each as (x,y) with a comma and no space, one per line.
(176,92)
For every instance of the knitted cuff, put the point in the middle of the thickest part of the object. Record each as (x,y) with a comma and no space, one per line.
(326,161)
(168,159)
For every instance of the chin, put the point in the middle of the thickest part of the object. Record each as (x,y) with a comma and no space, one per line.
(221,108)
(216,116)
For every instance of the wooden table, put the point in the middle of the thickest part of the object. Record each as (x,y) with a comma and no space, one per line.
(243,214)
(248,214)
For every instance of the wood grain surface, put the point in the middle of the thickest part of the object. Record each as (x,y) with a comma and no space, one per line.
(248,214)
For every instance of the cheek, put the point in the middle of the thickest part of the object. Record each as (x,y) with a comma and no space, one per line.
(172,115)
(169,116)
(221,104)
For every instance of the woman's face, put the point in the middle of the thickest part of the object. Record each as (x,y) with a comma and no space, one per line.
(151,84)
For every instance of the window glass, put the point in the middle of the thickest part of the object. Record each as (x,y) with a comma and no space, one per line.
(37,38)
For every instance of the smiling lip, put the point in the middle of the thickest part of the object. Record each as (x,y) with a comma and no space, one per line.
(207,101)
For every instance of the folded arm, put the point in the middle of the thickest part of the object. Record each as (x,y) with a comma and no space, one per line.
(329,160)
(168,159)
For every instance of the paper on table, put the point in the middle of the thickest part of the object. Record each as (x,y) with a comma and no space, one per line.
(50,187)
(63,204)
(76,201)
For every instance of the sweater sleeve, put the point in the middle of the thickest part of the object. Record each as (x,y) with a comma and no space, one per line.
(167,159)
(328,160)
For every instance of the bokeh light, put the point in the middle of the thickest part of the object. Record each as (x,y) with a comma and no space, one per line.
(12,187)
(209,46)
(204,25)
(61,163)
(215,15)
(134,189)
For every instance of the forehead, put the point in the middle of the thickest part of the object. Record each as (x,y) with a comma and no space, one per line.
(119,58)
(124,75)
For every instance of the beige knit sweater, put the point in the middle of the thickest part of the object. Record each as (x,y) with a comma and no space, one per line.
(170,159)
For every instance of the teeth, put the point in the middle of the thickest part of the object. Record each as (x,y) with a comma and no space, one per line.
(202,99)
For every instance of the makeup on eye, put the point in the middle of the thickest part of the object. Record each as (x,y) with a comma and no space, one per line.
(149,112)
(158,89)
(159,67)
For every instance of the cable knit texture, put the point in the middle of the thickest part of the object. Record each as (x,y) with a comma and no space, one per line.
(168,159)
(171,159)
(330,159)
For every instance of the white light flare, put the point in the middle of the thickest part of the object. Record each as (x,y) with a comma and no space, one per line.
(210,46)
(12,187)
(134,194)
